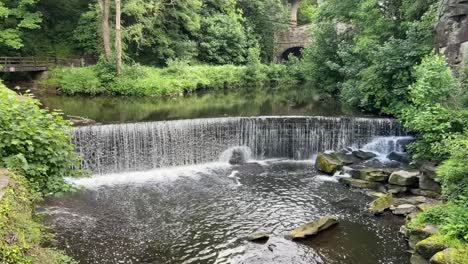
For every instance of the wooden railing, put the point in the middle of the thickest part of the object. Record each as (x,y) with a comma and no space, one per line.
(35,64)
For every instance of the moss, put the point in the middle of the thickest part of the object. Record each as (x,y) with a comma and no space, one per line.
(20,235)
(451,256)
(327,163)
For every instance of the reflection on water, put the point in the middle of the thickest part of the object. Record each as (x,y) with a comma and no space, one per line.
(213,104)
(203,216)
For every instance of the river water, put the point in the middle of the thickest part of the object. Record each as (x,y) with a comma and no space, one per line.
(163,192)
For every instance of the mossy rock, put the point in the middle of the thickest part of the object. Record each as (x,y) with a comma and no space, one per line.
(404,178)
(372,174)
(362,184)
(258,237)
(416,234)
(430,246)
(451,256)
(417,259)
(314,227)
(327,163)
(381,204)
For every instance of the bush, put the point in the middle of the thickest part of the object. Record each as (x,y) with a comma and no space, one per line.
(78,80)
(20,235)
(35,141)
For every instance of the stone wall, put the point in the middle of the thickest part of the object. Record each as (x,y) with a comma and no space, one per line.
(452,32)
(293,37)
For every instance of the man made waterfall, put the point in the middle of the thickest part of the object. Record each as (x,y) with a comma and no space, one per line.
(144,146)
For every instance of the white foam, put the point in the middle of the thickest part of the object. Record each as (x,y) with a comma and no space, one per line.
(325,178)
(157,175)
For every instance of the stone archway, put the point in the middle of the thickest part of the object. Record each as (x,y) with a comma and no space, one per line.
(294,51)
(292,38)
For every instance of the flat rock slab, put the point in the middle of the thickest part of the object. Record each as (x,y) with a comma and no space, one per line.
(403,209)
(314,227)
(404,178)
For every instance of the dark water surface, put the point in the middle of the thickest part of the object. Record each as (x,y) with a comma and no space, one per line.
(202,214)
(213,104)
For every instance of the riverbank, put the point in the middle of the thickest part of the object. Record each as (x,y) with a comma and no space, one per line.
(178,79)
(22,235)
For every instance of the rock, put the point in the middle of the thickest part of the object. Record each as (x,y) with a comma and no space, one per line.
(427,183)
(327,163)
(258,237)
(417,234)
(238,156)
(415,200)
(347,159)
(372,174)
(402,157)
(450,256)
(363,184)
(396,189)
(313,227)
(364,155)
(426,206)
(381,204)
(429,169)
(376,194)
(404,142)
(403,209)
(404,178)
(418,259)
(350,171)
(430,246)
(426,193)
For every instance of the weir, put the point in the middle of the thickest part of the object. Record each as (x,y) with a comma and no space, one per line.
(143,146)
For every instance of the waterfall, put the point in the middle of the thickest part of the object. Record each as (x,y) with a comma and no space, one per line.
(144,146)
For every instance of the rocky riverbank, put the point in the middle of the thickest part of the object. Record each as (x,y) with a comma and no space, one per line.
(400,188)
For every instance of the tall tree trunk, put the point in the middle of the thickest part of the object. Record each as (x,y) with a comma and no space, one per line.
(294,8)
(118,36)
(105,9)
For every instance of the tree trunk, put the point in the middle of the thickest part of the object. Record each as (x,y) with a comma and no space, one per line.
(118,36)
(105,7)
(294,8)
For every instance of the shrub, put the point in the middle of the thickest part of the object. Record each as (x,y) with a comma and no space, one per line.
(79,80)
(35,141)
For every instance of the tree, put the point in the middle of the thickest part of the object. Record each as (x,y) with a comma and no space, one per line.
(118,36)
(16,16)
(105,28)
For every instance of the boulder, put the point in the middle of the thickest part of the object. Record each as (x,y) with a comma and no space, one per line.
(346,159)
(403,209)
(418,259)
(396,189)
(372,174)
(430,246)
(363,184)
(238,156)
(404,142)
(364,155)
(404,178)
(381,204)
(402,157)
(258,237)
(427,193)
(416,234)
(313,227)
(430,170)
(428,183)
(327,163)
(450,256)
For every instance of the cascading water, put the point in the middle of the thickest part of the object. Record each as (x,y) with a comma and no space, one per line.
(144,146)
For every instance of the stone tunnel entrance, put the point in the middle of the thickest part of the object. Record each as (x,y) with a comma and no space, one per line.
(294,51)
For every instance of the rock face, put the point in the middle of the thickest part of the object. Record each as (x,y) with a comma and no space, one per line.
(327,163)
(404,178)
(381,204)
(313,227)
(452,32)
(429,246)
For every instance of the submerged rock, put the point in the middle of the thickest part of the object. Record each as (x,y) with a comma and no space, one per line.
(327,163)
(404,178)
(381,204)
(430,246)
(258,237)
(313,227)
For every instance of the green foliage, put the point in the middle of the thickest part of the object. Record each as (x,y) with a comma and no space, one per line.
(177,79)
(16,16)
(454,171)
(426,114)
(452,218)
(36,142)
(85,33)
(20,235)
